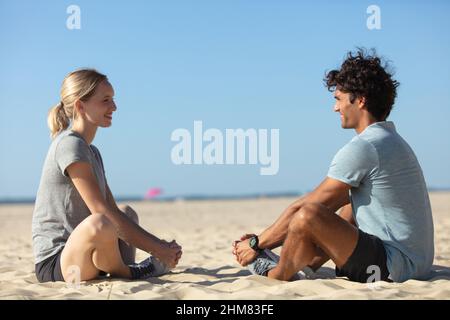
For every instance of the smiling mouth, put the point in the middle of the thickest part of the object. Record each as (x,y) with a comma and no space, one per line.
(109,117)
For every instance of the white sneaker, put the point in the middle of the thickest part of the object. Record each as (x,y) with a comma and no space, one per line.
(305,273)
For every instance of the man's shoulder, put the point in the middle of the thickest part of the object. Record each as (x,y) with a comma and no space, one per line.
(358,145)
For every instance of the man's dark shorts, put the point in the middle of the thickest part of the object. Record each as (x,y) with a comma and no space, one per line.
(369,252)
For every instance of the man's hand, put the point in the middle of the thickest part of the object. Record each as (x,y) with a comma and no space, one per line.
(244,237)
(242,251)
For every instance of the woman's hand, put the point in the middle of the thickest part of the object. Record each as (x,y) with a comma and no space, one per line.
(169,253)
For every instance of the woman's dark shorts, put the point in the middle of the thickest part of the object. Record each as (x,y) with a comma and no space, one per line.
(50,268)
(367,256)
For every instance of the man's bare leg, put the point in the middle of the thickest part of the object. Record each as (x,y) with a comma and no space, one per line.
(321,257)
(281,226)
(314,225)
(275,235)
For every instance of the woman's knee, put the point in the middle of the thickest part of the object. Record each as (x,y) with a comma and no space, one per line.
(129,212)
(99,226)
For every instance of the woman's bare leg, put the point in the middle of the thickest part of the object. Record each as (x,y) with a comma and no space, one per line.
(93,246)
(127,251)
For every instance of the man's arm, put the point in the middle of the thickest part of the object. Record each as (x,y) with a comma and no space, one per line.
(331,193)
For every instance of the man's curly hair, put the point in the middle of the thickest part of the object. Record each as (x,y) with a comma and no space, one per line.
(363,75)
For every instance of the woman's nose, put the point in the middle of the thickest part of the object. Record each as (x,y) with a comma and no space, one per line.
(114,106)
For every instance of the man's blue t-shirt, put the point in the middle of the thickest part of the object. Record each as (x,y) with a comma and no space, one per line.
(389,197)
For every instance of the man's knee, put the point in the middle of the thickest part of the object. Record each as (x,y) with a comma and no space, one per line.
(305,218)
(129,212)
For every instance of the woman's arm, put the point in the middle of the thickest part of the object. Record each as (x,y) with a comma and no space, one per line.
(113,204)
(85,182)
(110,198)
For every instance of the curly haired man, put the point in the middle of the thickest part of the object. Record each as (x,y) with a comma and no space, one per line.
(384,226)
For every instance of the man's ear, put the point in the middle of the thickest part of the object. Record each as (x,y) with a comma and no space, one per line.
(361,102)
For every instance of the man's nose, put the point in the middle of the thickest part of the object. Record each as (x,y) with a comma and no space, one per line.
(336,108)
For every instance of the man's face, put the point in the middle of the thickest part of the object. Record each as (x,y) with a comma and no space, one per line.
(350,112)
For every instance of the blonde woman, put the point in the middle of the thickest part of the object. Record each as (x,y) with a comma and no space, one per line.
(78,229)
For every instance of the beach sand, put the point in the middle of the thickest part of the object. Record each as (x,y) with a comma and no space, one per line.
(208,270)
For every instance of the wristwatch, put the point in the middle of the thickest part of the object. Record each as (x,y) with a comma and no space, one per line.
(254,242)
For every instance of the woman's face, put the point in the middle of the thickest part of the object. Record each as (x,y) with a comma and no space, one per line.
(99,108)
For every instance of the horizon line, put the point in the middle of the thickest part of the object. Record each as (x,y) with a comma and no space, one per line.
(135,198)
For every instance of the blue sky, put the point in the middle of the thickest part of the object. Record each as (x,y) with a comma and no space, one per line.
(231,64)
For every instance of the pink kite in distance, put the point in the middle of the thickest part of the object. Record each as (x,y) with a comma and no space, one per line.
(152,193)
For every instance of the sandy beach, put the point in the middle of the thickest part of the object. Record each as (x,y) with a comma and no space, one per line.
(207,270)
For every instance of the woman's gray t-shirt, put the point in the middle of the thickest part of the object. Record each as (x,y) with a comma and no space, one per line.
(59,207)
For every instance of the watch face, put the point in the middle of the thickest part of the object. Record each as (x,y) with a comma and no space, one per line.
(252,242)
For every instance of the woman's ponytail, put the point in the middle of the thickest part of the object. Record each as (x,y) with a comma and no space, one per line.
(57,119)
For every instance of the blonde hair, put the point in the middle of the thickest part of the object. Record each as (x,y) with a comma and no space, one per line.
(77,85)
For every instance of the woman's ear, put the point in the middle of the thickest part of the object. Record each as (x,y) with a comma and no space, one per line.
(79,107)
